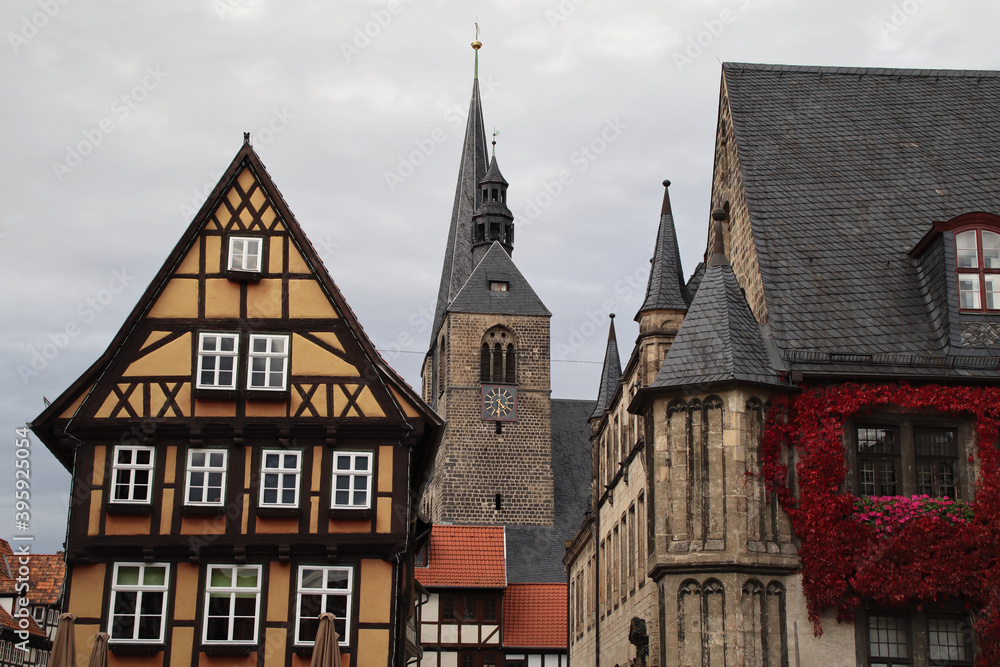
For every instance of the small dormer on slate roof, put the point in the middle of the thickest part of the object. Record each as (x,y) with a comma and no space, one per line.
(720,340)
(611,373)
(497,287)
(666,289)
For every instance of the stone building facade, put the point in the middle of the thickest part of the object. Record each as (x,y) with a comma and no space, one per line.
(850,249)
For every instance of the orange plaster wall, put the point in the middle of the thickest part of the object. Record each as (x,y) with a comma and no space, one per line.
(185,598)
(346,526)
(87,590)
(274,647)
(227,660)
(222,298)
(258,408)
(373,648)
(85,638)
(166,511)
(214,408)
(94,520)
(383,523)
(182,641)
(385,469)
(117,660)
(178,299)
(100,452)
(307,299)
(277,592)
(276,526)
(126,524)
(376,591)
(203,525)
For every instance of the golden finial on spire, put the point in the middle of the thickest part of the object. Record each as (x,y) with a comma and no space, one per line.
(477,45)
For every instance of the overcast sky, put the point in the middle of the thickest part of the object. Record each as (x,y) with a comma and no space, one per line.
(118,117)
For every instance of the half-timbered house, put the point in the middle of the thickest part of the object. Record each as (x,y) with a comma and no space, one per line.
(242,457)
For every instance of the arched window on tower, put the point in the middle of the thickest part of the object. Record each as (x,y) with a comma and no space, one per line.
(498,357)
(440,366)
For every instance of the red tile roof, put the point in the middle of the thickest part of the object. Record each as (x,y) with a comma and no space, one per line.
(8,622)
(47,572)
(534,616)
(466,557)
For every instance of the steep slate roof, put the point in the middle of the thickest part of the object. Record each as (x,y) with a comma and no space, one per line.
(535,553)
(464,556)
(493,174)
(611,373)
(458,251)
(719,339)
(534,616)
(844,170)
(666,289)
(476,296)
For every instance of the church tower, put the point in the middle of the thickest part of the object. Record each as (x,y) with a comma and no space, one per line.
(487,370)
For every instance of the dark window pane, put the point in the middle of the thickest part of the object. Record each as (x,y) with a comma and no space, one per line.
(149,627)
(123,627)
(243,629)
(217,629)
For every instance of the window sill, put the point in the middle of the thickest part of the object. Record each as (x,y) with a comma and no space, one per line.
(123,648)
(279,512)
(244,276)
(129,508)
(345,513)
(204,510)
(228,649)
(268,395)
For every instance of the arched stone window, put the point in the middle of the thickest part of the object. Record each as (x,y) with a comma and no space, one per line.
(498,357)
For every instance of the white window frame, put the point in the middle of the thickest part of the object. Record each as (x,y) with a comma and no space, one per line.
(139,589)
(281,471)
(347,592)
(129,471)
(232,591)
(353,476)
(238,257)
(271,360)
(206,469)
(218,355)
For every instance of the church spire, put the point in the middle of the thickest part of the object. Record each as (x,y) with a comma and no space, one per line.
(471,171)
(611,374)
(666,289)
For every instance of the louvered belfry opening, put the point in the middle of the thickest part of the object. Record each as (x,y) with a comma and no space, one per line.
(498,357)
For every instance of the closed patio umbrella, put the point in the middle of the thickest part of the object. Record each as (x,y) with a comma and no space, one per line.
(99,655)
(64,645)
(326,652)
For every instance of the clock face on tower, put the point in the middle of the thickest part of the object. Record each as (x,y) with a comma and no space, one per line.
(499,402)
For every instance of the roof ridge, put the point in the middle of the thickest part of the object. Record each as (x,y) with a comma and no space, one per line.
(863,71)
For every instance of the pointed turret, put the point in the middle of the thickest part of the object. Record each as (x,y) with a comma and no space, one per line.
(472,169)
(611,374)
(667,296)
(720,339)
(666,289)
(493,221)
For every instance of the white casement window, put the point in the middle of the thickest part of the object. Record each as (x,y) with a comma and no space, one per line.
(279,478)
(323,589)
(132,471)
(977,255)
(245,253)
(217,355)
(139,602)
(268,367)
(232,604)
(206,477)
(352,480)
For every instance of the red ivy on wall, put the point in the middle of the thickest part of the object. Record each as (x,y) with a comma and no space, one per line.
(924,560)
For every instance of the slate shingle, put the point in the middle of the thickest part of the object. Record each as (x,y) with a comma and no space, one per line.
(477,297)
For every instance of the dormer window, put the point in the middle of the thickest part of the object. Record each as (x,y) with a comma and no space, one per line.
(245,253)
(977,258)
(499,285)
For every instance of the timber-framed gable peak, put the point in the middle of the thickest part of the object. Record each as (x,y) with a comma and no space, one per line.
(241,325)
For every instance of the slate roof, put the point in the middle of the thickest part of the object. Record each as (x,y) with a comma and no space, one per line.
(719,340)
(535,553)
(493,174)
(476,296)
(465,557)
(666,289)
(695,279)
(844,170)
(611,373)
(534,616)
(458,251)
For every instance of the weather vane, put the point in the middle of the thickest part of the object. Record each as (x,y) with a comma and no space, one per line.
(496,133)
(477,45)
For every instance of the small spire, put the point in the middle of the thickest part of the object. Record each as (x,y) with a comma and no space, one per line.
(611,330)
(476,45)
(611,373)
(718,256)
(665,209)
(246,137)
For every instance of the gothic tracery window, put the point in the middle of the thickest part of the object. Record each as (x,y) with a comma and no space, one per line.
(498,357)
